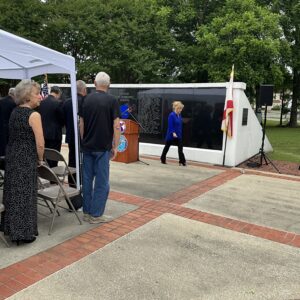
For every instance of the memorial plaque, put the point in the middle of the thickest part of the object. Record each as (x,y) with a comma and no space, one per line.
(150,108)
(245,117)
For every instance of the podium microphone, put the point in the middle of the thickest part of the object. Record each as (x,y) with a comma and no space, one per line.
(129,111)
(134,118)
(125,111)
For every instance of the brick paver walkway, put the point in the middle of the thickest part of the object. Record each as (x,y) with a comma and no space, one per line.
(25,273)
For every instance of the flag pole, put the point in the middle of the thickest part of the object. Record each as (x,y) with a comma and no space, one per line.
(228,112)
(224,154)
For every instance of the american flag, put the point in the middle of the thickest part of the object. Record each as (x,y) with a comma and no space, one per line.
(44,90)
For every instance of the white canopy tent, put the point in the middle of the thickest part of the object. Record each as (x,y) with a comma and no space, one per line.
(23,59)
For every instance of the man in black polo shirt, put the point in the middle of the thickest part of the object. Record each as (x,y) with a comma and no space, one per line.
(100,134)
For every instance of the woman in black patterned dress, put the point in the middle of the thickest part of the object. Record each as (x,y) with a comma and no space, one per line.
(24,151)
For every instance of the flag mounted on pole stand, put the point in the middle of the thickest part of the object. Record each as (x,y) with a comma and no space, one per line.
(227,120)
(44,89)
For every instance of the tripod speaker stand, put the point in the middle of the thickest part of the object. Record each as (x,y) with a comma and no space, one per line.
(263,155)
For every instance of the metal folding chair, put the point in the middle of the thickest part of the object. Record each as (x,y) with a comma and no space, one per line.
(56,193)
(2,208)
(60,171)
(42,184)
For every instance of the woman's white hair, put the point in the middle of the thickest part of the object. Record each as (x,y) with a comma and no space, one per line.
(102,79)
(23,90)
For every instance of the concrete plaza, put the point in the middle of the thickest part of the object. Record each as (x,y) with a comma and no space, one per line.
(195,232)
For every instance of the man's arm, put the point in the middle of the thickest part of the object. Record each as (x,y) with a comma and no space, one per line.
(81,127)
(117,133)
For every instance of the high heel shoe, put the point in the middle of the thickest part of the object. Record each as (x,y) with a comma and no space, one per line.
(163,161)
(182,164)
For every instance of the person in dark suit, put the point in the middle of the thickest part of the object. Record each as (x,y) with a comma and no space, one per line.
(51,110)
(7,104)
(69,122)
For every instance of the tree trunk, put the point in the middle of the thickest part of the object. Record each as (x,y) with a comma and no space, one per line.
(296,97)
(282,107)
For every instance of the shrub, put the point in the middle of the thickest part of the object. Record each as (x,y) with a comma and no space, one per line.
(276,107)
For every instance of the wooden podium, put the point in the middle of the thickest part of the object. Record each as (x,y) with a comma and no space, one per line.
(131,154)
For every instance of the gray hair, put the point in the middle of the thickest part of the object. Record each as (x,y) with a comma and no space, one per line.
(102,79)
(81,86)
(23,90)
(56,90)
(11,92)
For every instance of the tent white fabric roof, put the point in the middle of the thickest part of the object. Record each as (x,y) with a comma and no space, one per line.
(23,59)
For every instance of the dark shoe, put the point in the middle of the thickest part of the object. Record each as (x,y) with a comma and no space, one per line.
(163,161)
(182,164)
(28,241)
(24,241)
(16,241)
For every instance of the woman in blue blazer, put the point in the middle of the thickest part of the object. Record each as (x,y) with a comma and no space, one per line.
(174,133)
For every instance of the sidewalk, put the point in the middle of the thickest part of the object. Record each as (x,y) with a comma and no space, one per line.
(195,232)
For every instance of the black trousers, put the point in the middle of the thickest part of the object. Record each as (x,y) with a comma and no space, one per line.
(53,144)
(174,142)
(72,163)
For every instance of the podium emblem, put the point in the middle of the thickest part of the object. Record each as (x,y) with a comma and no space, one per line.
(122,127)
(122,144)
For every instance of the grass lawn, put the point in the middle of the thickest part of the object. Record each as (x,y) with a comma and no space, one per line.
(285,142)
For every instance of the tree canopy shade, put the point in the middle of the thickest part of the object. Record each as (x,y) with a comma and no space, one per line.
(247,36)
(129,39)
(289,12)
(161,41)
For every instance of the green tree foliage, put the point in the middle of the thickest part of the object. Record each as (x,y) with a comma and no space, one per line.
(167,40)
(24,18)
(127,38)
(246,35)
(289,12)
(183,17)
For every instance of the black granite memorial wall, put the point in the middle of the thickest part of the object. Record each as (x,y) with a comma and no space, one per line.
(202,113)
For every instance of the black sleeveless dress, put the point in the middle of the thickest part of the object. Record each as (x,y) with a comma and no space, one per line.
(20,182)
